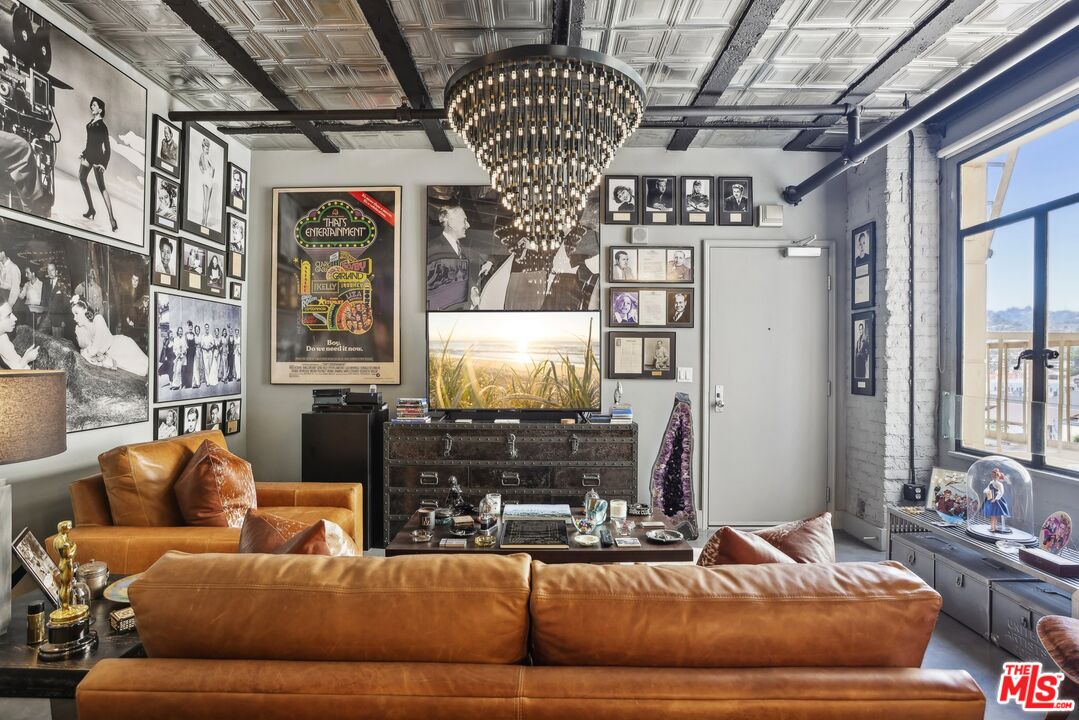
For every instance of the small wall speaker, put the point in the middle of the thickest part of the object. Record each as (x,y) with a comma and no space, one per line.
(638,235)
(769,215)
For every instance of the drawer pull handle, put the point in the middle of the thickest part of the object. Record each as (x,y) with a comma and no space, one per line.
(574,444)
(428,478)
(590,480)
(511,445)
(911,559)
(511,479)
(959,581)
(447,445)
(1026,623)
(428,502)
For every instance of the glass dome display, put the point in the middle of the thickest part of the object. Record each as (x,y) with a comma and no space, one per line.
(1004,500)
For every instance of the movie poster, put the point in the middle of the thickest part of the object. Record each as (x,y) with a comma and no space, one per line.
(72,131)
(336,286)
(477,261)
(82,307)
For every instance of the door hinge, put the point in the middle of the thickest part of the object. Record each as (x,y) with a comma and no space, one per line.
(829,283)
(829,389)
(827,494)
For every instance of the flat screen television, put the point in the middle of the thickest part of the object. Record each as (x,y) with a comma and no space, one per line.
(515,361)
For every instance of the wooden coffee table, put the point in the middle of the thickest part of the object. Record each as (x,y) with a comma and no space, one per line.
(402,544)
(22,675)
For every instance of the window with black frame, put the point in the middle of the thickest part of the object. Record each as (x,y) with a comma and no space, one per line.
(1019,298)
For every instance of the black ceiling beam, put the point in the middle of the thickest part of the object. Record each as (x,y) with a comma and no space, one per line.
(945,17)
(567,22)
(754,21)
(398,54)
(231,52)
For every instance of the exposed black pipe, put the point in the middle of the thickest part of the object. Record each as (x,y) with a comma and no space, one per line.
(1037,36)
(910,295)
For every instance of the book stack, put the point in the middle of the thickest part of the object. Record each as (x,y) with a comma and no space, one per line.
(621,414)
(411,410)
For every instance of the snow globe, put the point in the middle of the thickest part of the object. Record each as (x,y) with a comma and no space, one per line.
(1004,501)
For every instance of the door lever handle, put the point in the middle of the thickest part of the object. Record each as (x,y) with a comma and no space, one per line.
(719,403)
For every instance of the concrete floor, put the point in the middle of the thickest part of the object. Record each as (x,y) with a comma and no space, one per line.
(952,646)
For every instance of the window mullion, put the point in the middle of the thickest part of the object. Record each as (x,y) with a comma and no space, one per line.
(1041,340)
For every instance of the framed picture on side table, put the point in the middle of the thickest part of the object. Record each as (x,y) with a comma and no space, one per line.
(863,353)
(736,201)
(621,199)
(641,355)
(38,564)
(863,266)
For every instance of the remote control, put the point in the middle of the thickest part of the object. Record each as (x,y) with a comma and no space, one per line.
(605,538)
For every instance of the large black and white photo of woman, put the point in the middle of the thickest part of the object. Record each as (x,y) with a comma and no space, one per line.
(198,355)
(204,183)
(81,308)
(48,167)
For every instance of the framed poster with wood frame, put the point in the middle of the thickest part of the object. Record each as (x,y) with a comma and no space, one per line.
(863,353)
(650,307)
(621,199)
(863,266)
(335,285)
(202,211)
(697,198)
(166,259)
(664,265)
(640,355)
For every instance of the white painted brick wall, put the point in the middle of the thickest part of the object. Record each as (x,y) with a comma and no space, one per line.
(877,428)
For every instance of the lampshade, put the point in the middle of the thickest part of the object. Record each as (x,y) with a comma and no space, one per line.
(33,414)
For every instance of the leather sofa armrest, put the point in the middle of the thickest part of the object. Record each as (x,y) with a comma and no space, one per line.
(342,495)
(90,502)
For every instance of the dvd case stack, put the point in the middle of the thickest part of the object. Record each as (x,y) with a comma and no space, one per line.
(621,414)
(412,410)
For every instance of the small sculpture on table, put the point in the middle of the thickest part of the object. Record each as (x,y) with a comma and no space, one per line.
(995,506)
(1001,496)
(458,504)
(69,625)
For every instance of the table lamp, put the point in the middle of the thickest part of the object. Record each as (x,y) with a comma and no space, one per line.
(33,424)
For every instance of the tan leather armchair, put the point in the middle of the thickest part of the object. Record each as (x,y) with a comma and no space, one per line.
(449,636)
(130,548)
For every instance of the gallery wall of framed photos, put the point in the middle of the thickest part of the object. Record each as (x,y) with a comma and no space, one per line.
(99,249)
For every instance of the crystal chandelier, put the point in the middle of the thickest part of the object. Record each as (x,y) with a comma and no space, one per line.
(545,121)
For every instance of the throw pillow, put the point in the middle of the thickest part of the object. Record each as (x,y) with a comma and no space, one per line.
(322,538)
(805,541)
(741,548)
(216,489)
(139,478)
(263,532)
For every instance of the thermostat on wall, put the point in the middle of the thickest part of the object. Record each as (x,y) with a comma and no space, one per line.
(769,215)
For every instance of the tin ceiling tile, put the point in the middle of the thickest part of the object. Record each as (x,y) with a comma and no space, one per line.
(462,44)
(710,12)
(898,13)
(701,45)
(650,138)
(636,45)
(291,47)
(408,13)
(522,13)
(643,13)
(597,13)
(453,13)
(502,39)
(325,14)
(594,40)
(154,16)
(352,45)
(268,13)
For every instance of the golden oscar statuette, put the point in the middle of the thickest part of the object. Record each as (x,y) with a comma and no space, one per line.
(69,625)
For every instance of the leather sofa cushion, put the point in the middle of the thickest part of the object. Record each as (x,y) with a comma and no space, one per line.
(439,608)
(133,549)
(216,488)
(741,548)
(139,478)
(264,532)
(837,615)
(804,541)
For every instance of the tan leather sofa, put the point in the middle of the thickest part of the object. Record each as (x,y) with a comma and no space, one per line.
(148,522)
(447,637)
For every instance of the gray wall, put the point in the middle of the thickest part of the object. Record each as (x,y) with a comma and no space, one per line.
(39,487)
(273,411)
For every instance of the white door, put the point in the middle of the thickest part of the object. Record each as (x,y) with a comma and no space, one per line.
(767,385)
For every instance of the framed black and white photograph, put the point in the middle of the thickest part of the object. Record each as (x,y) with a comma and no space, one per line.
(680,308)
(679,265)
(863,353)
(623,264)
(641,355)
(165,250)
(198,342)
(237,188)
(863,263)
(167,422)
(620,198)
(165,197)
(192,417)
(165,152)
(232,417)
(625,307)
(202,211)
(664,265)
(38,565)
(213,415)
(237,249)
(660,198)
(735,201)
(99,338)
(477,261)
(77,124)
(698,200)
(236,290)
(193,266)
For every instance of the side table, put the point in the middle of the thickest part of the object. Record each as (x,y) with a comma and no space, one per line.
(23,676)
